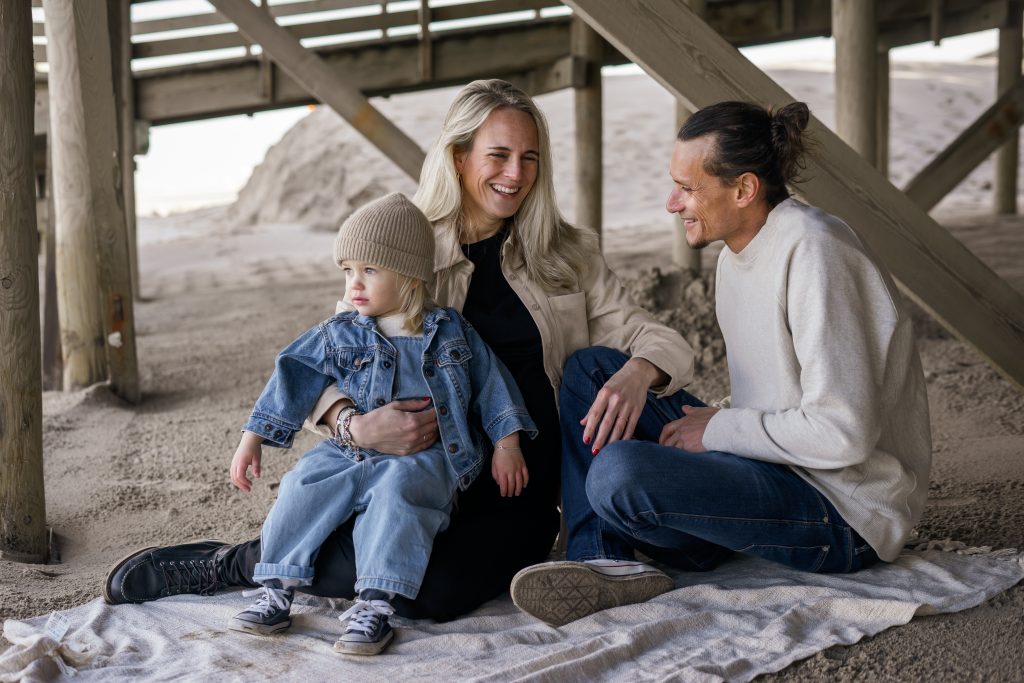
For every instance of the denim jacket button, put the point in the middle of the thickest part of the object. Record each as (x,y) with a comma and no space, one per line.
(278,434)
(268,428)
(453,448)
(456,355)
(429,372)
(443,410)
(386,364)
(380,402)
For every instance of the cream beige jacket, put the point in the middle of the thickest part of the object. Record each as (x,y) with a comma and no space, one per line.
(599,312)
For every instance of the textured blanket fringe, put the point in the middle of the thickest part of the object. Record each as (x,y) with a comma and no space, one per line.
(951,546)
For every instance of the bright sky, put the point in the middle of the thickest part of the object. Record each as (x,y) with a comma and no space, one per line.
(181,170)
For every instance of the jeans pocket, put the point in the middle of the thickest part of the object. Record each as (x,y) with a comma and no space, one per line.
(804,558)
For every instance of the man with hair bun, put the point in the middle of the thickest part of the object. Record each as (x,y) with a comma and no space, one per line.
(819,460)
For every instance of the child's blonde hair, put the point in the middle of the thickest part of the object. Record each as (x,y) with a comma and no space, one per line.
(413,302)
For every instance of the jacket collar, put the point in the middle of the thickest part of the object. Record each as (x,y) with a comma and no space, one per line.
(430,319)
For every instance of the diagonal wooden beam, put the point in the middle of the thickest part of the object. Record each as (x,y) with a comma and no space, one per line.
(694,63)
(950,166)
(308,69)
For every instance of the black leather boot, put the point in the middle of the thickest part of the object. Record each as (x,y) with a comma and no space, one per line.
(199,568)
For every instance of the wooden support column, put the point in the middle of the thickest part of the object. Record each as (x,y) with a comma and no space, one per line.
(1011,51)
(588,46)
(310,71)
(426,44)
(22,501)
(882,111)
(695,63)
(53,364)
(683,255)
(856,36)
(95,299)
(124,93)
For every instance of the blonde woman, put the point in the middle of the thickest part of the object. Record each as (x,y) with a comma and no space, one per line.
(537,290)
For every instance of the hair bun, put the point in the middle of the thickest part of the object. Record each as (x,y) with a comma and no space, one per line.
(787,125)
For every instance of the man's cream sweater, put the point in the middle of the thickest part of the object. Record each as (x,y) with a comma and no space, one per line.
(824,370)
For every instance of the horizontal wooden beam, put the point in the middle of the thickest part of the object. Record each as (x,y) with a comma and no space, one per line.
(384,68)
(697,65)
(214,18)
(950,166)
(316,29)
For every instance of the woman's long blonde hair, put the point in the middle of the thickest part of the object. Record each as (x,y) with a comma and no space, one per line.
(551,251)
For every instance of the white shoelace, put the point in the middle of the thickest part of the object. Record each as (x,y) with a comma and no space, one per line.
(270,598)
(619,567)
(365,613)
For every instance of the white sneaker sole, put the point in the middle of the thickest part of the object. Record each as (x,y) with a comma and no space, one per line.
(561,592)
(349,648)
(258,629)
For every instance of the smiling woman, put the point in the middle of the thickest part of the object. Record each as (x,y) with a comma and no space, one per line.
(536,289)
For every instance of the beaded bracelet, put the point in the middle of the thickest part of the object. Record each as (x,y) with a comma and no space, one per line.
(344,425)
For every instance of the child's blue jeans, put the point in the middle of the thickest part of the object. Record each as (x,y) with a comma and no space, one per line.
(401,502)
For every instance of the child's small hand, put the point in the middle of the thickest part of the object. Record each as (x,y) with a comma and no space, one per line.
(249,452)
(508,467)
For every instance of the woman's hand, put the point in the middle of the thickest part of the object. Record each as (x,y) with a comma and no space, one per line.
(688,431)
(617,407)
(398,428)
(249,452)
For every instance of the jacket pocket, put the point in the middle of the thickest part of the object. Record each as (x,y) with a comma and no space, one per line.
(353,367)
(454,353)
(569,315)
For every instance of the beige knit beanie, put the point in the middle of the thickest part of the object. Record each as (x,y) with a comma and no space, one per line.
(390,232)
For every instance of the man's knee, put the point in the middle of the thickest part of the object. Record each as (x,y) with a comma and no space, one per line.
(612,473)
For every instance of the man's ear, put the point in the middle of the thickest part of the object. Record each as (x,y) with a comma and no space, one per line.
(747,187)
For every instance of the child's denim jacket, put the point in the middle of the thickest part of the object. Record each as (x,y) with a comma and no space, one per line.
(465,378)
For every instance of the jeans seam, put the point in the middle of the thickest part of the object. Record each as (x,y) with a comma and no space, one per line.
(743,520)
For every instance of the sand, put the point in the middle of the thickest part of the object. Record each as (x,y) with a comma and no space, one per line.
(223,289)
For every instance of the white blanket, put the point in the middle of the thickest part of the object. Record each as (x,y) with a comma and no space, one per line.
(746,618)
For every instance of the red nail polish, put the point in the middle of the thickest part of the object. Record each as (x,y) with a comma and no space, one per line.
(426,398)
(586,440)
(595,451)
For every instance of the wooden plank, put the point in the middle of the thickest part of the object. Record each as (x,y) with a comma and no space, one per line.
(219,41)
(95,300)
(950,166)
(882,82)
(515,52)
(213,18)
(311,71)
(1008,71)
(693,62)
(567,72)
(22,497)
(588,46)
(856,92)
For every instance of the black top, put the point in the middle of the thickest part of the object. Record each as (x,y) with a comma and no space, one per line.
(504,323)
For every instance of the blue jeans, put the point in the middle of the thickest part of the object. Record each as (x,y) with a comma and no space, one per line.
(688,510)
(400,504)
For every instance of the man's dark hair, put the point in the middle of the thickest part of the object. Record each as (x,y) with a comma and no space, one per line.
(752,139)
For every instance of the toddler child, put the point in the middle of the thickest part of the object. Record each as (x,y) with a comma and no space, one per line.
(395,344)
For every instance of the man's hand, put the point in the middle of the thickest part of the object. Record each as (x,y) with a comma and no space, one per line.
(249,452)
(617,407)
(398,428)
(688,431)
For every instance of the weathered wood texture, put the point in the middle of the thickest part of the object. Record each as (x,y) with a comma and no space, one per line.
(514,53)
(696,64)
(308,69)
(997,124)
(587,45)
(856,90)
(683,255)
(95,299)
(119,20)
(53,363)
(22,502)
(1011,52)
(882,82)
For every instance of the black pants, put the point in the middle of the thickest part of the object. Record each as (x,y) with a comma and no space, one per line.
(489,539)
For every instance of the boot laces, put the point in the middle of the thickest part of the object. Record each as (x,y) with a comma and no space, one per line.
(190,576)
(364,615)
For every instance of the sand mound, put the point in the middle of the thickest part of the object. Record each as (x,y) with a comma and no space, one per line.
(317,174)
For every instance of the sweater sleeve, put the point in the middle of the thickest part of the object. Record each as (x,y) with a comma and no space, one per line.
(616,321)
(841,318)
